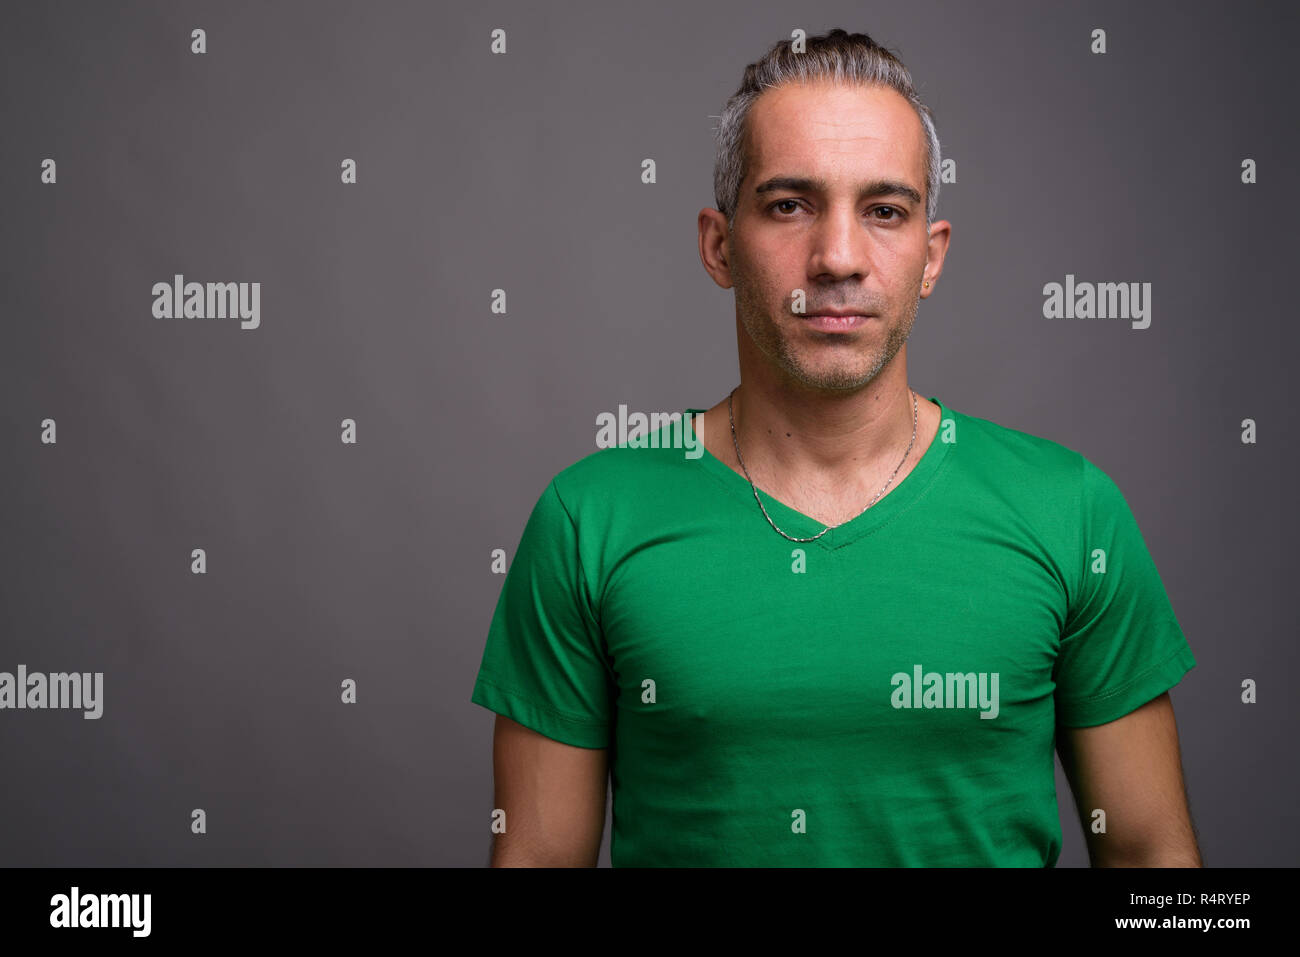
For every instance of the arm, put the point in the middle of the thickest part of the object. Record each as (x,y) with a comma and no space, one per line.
(1130,768)
(553,795)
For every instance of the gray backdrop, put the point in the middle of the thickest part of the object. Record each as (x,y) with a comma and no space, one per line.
(371,561)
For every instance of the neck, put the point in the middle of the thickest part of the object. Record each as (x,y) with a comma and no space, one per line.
(823,437)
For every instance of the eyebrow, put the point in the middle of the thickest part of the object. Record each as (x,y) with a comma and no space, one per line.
(875,187)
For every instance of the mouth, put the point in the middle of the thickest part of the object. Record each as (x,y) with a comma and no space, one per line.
(826,322)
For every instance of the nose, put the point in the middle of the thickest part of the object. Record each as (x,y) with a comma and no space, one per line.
(839,247)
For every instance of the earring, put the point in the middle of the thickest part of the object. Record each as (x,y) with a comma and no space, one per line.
(927,284)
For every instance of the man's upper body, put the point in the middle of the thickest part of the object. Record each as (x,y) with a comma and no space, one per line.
(888,692)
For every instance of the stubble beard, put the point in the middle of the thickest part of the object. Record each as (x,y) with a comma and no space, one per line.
(860,360)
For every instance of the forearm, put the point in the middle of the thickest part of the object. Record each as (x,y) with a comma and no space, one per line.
(517,854)
(1169,850)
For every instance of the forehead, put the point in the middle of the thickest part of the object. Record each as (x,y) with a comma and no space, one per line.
(829,127)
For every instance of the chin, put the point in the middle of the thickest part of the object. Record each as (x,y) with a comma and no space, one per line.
(835,380)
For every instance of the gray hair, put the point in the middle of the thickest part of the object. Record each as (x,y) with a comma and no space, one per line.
(852,58)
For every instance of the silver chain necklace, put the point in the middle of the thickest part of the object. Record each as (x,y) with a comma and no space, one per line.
(731,418)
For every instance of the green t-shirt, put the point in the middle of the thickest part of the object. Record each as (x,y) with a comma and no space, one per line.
(884,696)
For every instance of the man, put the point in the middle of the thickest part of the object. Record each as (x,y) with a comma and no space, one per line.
(851,629)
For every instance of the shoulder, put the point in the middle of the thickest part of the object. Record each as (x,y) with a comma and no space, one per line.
(636,470)
(1039,476)
(1019,457)
(1040,473)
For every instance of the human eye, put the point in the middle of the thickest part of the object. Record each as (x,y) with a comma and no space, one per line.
(783,202)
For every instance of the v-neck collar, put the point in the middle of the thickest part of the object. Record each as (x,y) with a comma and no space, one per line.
(898,499)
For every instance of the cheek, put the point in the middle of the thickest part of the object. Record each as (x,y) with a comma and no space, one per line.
(768,263)
(768,288)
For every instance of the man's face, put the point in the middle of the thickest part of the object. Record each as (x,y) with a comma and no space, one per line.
(847,236)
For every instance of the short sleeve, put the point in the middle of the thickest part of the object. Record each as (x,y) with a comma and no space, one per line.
(1121,645)
(544,664)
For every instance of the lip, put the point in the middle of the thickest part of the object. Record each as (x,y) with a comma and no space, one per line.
(837,322)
